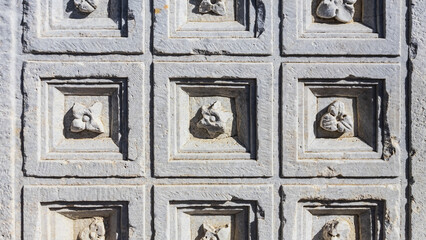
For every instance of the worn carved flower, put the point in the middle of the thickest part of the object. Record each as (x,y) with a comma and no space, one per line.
(335,119)
(87,118)
(342,10)
(216,120)
(86,6)
(216,233)
(336,229)
(215,6)
(95,231)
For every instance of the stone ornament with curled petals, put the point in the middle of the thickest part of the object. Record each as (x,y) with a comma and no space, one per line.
(216,120)
(336,119)
(336,229)
(216,233)
(86,6)
(87,118)
(341,10)
(215,6)
(95,231)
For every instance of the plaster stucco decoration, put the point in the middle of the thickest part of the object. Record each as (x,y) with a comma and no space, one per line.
(87,118)
(215,6)
(95,231)
(342,10)
(216,232)
(336,229)
(216,121)
(86,6)
(336,119)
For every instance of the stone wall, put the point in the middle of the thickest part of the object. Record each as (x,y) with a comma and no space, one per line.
(212,119)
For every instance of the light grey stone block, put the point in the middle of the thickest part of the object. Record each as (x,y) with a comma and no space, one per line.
(374,30)
(58,26)
(194,212)
(371,95)
(52,147)
(183,147)
(83,212)
(368,211)
(245,29)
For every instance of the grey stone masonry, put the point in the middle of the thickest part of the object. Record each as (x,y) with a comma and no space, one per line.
(212,120)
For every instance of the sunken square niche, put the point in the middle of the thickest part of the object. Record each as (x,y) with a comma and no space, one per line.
(340,116)
(340,119)
(344,27)
(71,221)
(214,117)
(83,212)
(79,120)
(86,117)
(328,212)
(221,212)
(84,26)
(211,26)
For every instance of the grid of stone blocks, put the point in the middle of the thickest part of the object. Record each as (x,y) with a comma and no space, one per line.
(205,105)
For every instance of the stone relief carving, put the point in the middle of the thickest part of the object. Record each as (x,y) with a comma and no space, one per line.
(336,119)
(342,10)
(216,120)
(215,6)
(216,232)
(87,118)
(86,6)
(336,229)
(95,231)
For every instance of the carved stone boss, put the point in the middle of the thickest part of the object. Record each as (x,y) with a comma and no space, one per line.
(95,231)
(87,118)
(86,6)
(336,119)
(216,121)
(216,232)
(215,6)
(342,10)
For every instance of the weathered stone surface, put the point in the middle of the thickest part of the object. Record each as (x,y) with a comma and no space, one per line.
(417,121)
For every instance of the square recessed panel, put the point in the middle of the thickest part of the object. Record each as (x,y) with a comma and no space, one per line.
(101,26)
(369,212)
(228,212)
(340,120)
(363,28)
(84,212)
(215,122)
(83,118)
(209,27)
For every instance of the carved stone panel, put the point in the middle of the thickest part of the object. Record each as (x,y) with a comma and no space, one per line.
(84,26)
(209,119)
(86,111)
(215,212)
(341,212)
(212,27)
(341,27)
(346,123)
(83,213)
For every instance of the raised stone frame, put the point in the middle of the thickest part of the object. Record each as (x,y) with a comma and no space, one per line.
(250,207)
(48,151)
(55,26)
(50,212)
(374,208)
(373,152)
(376,32)
(179,29)
(170,159)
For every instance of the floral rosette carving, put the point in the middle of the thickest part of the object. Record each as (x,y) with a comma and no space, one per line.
(341,10)
(95,231)
(336,229)
(87,118)
(336,119)
(216,120)
(216,233)
(86,6)
(215,6)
